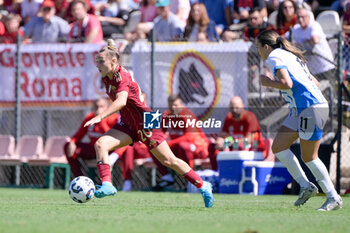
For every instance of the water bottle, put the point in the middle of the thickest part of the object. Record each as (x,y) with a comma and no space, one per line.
(255,141)
(226,147)
(227,143)
(235,145)
(246,144)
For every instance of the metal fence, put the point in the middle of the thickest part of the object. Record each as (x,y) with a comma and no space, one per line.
(266,103)
(340,166)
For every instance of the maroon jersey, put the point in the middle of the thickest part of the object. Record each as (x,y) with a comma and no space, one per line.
(132,113)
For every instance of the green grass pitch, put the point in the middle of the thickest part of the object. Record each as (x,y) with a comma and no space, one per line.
(49,211)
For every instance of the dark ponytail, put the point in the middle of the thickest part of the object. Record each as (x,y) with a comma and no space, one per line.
(275,41)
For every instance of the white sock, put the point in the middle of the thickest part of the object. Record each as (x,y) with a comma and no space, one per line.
(113,157)
(320,172)
(203,186)
(168,177)
(127,186)
(292,164)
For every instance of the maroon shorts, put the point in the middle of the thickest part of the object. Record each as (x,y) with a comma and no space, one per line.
(151,138)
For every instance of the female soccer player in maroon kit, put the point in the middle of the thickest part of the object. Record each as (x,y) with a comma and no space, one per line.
(126,95)
(75,148)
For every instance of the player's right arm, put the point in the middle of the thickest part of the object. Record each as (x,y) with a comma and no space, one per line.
(71,148)
(315,80)
(117,104)
(284,80)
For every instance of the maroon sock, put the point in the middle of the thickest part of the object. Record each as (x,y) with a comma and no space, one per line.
(104,171)
(194,178)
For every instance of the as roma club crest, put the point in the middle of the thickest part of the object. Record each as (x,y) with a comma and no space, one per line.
(194,78)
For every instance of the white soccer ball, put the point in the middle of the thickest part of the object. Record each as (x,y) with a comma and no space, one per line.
(81,189)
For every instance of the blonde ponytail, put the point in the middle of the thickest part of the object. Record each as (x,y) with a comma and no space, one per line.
(111,49)
(111,44)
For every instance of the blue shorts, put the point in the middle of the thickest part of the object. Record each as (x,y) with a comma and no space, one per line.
(310,122)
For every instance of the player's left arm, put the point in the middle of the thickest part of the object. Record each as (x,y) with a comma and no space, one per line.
(117,104)
(284,80)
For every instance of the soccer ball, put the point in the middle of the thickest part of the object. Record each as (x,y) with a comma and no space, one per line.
(81,189)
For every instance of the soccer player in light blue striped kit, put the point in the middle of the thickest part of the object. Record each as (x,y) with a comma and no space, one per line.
(307,117)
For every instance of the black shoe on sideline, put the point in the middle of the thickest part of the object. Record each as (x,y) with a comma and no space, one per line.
(162,185)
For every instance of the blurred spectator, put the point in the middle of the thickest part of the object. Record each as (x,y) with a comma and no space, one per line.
(339,6)
(167,26)
(256,25)
(240,15)
(346,36)
(2,27)
(181,8)
(90,10)
(249,29)
(48,28)
(241,9)
(187,143)
(113,16)
(148,13)
(202,37)
(96,2)
(86,27)
(133,4)
(309,36)
(29,9)
(319,5)
(272,5)
(199,25)
(11,28)
(12,6)
(61,8)
(240,124)
(5,6)
(7,3)
(219,11)
(286,16)
(75,148)
(130,4)
(148,10)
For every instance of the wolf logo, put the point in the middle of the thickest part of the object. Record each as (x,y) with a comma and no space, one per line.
(191,83)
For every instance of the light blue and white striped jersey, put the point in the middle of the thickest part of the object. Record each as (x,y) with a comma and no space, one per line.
(304,91)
